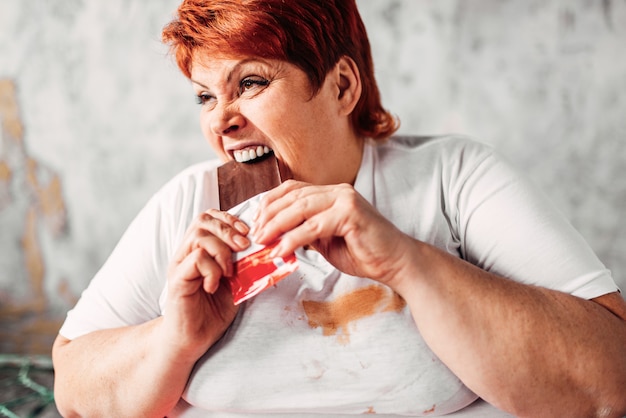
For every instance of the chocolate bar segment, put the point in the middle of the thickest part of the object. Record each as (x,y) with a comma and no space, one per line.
(239,182)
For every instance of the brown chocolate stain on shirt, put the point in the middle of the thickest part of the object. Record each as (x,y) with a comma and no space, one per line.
(338,314)
(430,411)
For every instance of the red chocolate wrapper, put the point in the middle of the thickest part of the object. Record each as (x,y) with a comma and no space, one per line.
(257,271)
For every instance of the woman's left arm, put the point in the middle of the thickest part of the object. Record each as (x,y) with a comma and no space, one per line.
(526,349)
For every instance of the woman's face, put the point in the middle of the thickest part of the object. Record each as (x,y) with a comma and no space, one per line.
(251,106)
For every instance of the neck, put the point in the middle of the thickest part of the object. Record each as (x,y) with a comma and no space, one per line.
(343,164)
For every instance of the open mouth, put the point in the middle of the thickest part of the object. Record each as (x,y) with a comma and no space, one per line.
(251,154)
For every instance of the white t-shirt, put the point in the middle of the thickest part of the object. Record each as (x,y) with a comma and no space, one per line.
(321,341)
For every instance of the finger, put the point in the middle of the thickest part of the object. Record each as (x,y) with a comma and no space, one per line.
(230,219)
(218,251)
(322,215)
(225,228)
(287,212)
(315,229)
(274,195)
(291,196)
(280,191)
(212,246)
(198,269)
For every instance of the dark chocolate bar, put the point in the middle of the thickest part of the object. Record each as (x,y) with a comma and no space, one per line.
(238,182)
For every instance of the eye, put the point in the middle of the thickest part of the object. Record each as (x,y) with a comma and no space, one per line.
(204,98)
(252,83)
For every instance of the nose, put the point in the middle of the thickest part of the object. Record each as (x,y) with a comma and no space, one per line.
(226,119)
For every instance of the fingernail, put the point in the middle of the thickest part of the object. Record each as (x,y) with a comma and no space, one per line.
(242,228)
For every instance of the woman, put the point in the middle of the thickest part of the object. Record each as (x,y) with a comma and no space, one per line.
(433,274)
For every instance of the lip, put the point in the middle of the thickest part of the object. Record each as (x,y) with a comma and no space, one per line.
(243,145)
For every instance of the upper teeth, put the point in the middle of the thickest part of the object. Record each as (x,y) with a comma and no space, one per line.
(250,154)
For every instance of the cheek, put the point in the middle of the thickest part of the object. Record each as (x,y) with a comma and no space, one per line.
(205,126)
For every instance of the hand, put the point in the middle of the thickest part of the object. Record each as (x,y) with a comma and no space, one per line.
(339,223)
(199,305)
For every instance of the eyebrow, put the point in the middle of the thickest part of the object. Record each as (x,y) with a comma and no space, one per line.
(235,68)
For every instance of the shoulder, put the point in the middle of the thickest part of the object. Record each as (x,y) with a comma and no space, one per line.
(453,157)
(439,147)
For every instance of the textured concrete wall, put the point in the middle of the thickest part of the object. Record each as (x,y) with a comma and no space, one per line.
(95,118)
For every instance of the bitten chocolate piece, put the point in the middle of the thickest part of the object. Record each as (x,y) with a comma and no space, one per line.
(238,182)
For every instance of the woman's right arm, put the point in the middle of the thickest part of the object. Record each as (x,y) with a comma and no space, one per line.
(119,372)
(142,370)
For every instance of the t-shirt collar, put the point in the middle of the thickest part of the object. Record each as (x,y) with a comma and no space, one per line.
(364,183)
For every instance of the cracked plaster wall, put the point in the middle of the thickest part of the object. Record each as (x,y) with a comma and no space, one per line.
(95,118)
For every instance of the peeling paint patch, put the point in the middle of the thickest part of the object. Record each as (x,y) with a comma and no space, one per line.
(48,197)
(5,179)
(33,257)
(5,172)
(9,111)
(30,198)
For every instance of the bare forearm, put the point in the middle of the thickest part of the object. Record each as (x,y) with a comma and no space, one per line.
(118,372)
(528,350)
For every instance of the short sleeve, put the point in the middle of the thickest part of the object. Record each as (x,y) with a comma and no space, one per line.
(128,289)
(125,291)
(507,226)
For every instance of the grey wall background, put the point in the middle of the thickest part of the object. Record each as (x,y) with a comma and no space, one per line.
(95,117)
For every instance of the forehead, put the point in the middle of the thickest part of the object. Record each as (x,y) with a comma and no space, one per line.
(223,73)
(225,66)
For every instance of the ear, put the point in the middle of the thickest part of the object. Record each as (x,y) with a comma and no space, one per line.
(349,86)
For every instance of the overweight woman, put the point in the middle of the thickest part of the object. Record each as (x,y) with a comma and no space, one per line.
(430,272)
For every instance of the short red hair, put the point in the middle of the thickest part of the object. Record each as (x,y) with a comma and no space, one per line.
(311,34)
